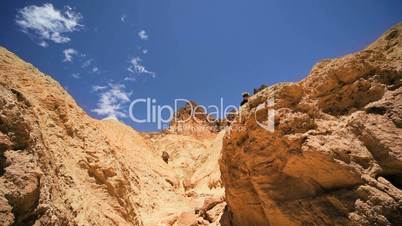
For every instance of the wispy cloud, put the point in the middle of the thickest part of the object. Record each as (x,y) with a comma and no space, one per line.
(123,18)
(95,70)
(112,101)
(143,35)
(144,51)
(130,79)
(138,68)
(87,63)
(97,88)
(43,44)
(90,66)
(47,23)
(69,54)
(76,75)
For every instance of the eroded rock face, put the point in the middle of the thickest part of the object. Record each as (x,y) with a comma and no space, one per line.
(54,169)
(58,166)
(335,157)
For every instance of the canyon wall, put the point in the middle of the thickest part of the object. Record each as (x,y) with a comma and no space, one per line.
(335,156)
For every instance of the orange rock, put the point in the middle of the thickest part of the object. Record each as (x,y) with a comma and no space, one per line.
(335,156)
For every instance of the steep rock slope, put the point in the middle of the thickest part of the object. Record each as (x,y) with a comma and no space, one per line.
(335,156)
(58,166)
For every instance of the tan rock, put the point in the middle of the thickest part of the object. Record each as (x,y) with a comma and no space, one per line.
(335,155)
(187,219)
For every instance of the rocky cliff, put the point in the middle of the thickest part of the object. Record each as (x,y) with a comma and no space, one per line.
(335,156)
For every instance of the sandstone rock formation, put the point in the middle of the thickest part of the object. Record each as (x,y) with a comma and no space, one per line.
(194,120)
(335,156)
(58,166)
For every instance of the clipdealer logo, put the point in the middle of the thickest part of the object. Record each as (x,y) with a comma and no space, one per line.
(163,114)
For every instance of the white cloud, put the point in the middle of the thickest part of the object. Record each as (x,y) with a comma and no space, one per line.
(76,75)
(97,88)
(90,66)
(43,44)
(123,18)
(48,23)
(143,35)
(138,68)
(112,101)
(87,63)
(144,51)
(130,79)
(95,70)
(69,54)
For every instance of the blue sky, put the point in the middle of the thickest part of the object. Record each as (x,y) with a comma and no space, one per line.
(107,53)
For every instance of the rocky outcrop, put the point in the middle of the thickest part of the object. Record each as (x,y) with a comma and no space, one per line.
(194,120)
(335,156)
